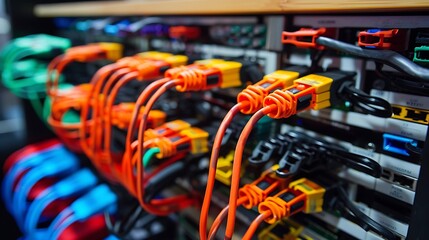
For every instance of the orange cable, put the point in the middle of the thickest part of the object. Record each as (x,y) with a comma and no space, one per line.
(147,92)
(221,217)
(52,70)
(212,167)
(108,111)
(238,156)
(255,224)
(96,82)
(100,107)
(140,150)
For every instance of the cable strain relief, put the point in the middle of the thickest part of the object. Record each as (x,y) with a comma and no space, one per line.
(278,211)
(254,97)
(285,104)
(166,148)
(191,80)
(253,194)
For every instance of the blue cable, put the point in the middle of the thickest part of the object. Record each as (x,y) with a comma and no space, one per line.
(98,200)
(25,163)
(76,184)
(50,168)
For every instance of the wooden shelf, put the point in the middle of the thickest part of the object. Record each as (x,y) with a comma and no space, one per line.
(216,7)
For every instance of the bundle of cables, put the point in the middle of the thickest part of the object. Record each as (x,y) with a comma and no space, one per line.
(301,153)
(249,101)
(99,112)
(23,66)
(314,91)
(63,103)
(312,195)
(201,76)
(53,199)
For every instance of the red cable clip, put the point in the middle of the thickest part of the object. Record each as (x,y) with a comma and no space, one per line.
(304,38)
(376,38)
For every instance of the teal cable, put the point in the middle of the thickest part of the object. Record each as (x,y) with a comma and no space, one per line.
(8,71)
(151,152)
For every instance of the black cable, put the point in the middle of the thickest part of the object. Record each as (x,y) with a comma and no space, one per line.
(362,219)
(402,81)
(122,228)
(303,150)
(387,57)
(366,103)
(342,155)
(413,150)
(358,162)
(316,56)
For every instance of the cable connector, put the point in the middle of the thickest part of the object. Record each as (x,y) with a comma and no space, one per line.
(421,55)
(379,39)
(114,51)
(173,60)
(261,188)
(314,193)
(193,140)
(313,91)
(205,75)
(254,94)
(302,195)
(95,51)
(304,38)
(199,139)
(166,129)
(122,114)
(150,65)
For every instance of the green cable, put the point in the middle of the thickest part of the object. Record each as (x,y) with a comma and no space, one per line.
(149,155)
(8,71)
